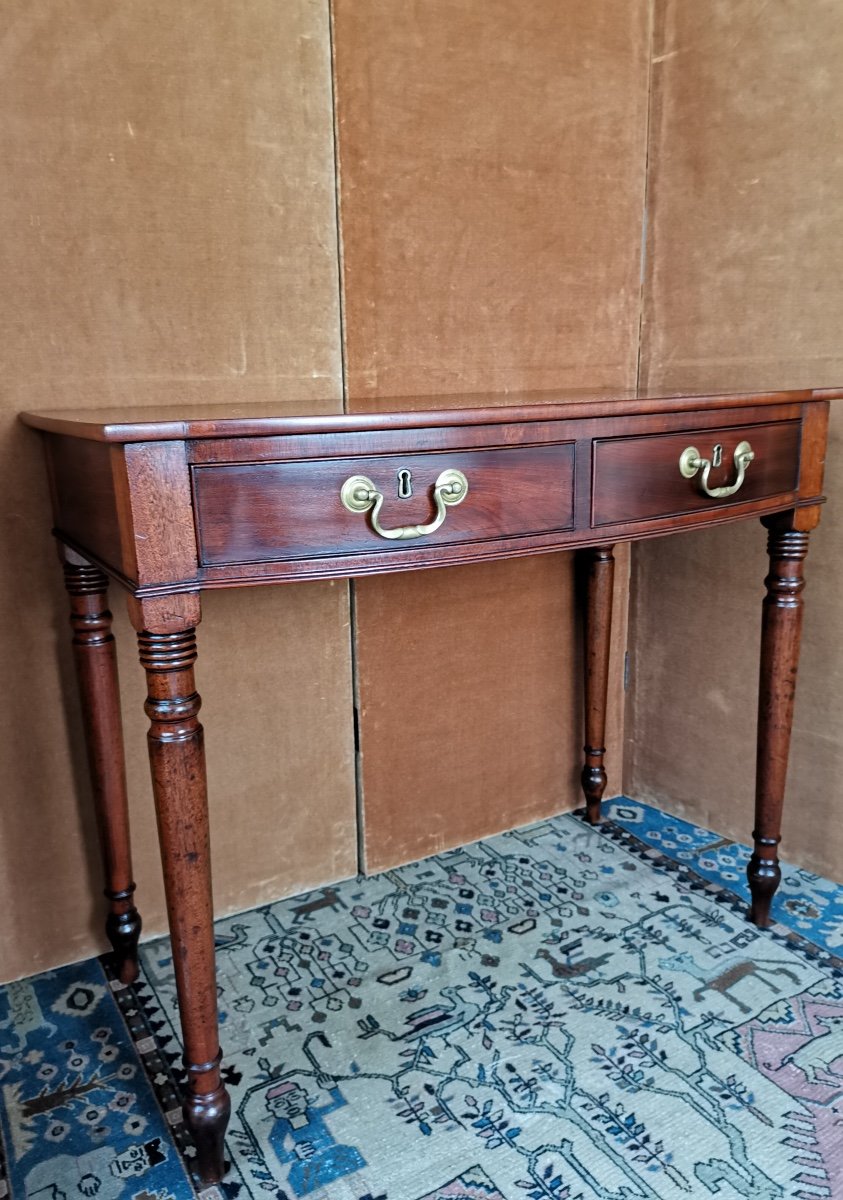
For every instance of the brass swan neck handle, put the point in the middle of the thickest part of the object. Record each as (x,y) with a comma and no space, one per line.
(690,462)
(359,494)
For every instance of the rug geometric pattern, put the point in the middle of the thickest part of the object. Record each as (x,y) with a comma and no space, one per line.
(558,1013)
(805,902)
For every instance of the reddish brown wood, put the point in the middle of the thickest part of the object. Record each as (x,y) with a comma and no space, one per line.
(265,511)
(815,418)
(156,508)
(300,447)
(637,478)
(84,495)
(96,671)
(268,508)
(414,556)
(780,636)
(305,446)
(166,613)
(599,565)
(174,422)
(264,486)
(177,760)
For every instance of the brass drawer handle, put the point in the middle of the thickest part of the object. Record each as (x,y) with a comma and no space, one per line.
(690,462)
(359,494)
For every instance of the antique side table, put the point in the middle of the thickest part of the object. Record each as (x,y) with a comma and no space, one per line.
(170,502)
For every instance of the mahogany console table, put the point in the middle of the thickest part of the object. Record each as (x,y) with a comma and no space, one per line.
(169,502)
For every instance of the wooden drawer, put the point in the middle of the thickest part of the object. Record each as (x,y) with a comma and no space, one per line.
(270,511)
(638,478)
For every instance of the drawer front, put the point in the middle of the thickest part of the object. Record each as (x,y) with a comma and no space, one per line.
(638,478)
(263,512)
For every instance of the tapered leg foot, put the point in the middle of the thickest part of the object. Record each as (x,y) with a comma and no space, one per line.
(206,1116)
(123,929)
(96,672)
(593,780)
(177,760)
(599,567)
(781,631)
(764,875)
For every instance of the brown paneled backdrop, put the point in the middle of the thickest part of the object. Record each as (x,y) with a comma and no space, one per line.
(168,206)
(491,166)
(744,289)
(264,201)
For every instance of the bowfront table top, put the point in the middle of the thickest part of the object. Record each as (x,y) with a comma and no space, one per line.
(170,501)
(107,421)
(184,498)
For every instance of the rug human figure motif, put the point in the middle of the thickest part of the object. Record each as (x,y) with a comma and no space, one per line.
(559,1013)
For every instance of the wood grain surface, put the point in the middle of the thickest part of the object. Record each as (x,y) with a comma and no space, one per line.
(293,510)
(638,478)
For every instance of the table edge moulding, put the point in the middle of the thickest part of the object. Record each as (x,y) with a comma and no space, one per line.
(169,502)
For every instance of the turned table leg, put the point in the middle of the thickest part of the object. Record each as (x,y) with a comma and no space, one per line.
(780,635)
(177,760)
(599,578)
(96,671)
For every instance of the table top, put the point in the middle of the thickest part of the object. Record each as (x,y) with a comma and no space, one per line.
(173,422)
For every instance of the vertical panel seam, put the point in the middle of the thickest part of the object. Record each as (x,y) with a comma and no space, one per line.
(352,593)
(645,201)
(627,747)
(335,142)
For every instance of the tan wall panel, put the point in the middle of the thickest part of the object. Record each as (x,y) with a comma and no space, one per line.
(168,207)
(744,289)
(470,706)
(440,690)
(491,166)
(491,172)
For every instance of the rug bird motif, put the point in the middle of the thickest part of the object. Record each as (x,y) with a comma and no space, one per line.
(558,1013)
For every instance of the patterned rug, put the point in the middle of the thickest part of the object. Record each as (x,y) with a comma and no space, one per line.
(559,1013)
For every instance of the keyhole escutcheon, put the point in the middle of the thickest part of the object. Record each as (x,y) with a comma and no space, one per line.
(405,484)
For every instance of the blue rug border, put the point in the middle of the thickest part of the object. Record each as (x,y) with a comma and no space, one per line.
(608,827)
(719,893)
(140,1012)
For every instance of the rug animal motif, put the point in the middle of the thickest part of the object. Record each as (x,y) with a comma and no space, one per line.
(553,1014)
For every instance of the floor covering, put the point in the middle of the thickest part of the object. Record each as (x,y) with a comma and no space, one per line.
(558,1013)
